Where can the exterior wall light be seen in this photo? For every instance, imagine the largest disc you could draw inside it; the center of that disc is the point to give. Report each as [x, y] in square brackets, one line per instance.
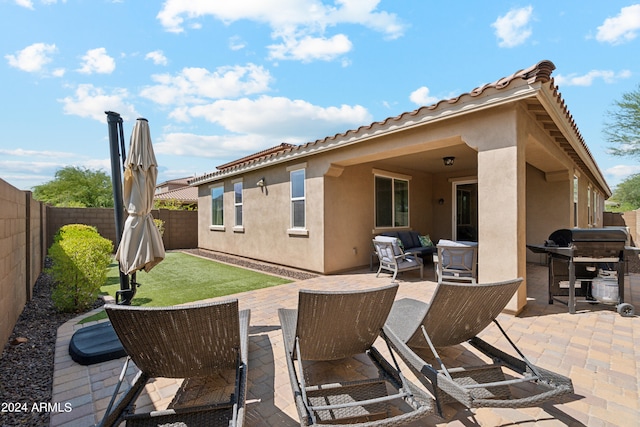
[261, 183]
[448, 161]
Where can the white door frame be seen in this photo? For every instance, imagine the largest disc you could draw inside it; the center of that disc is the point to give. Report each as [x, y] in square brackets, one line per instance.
[454, 197]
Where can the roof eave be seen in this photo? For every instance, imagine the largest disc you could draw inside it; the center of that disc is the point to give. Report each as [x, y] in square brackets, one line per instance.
[555, 106]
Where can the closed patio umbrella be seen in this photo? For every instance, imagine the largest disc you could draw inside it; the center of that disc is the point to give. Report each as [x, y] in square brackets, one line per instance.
[141, 246]
[139, 242]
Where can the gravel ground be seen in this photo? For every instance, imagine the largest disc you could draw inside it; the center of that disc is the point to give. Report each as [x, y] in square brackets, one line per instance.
[277, 270]
[26, 366]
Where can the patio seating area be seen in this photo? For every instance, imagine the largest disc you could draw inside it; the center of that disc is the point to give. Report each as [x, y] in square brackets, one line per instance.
[597, 348]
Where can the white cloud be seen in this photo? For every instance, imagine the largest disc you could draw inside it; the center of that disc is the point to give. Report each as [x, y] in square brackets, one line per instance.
[90, 101]
[616, 174]
[421, 96]
[32, 58]
[307, 48]
[587, 79]
[194, 85]
[281, 119]
[513, 28]
[236, 43]
[25, 3]
[97, 61]
[157, 56]
[210, 146]
[21, 152]
[621, 28]
[300, 24]
[29, 167]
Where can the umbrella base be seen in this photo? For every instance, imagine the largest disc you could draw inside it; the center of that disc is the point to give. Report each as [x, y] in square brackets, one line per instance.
[95, 344]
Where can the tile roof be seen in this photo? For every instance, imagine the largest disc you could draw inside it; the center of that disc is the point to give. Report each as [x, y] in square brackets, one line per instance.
[538, 73]
[184, 194]
[269, 151]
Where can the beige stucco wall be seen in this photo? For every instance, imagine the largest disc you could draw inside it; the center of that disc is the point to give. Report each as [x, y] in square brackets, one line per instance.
[503, 148]
[266, 219]
[349, 212]
[548, 208]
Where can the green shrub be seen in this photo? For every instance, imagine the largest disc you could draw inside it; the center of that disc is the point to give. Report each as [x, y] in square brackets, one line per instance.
[160, 225]
[75, 230]
[80, 258]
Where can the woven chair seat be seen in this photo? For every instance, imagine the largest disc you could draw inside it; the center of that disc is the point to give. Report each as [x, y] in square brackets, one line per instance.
[330, 330]
[457, 313]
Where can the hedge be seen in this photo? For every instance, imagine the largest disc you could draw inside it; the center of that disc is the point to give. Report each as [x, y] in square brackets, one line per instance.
[80, 258]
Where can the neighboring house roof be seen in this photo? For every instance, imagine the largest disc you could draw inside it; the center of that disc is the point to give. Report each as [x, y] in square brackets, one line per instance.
[516, 86]
[172, 184]
[184, 195]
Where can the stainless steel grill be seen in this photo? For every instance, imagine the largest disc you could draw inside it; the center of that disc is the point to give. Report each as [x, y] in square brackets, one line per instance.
[586, 256]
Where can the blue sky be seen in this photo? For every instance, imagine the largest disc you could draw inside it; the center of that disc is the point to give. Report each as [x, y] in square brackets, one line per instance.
[218, 80]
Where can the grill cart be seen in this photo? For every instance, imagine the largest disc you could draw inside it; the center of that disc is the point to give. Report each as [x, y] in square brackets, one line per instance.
[591, 257]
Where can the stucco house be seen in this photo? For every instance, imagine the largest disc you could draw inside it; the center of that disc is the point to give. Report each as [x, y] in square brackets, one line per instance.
[504, 164]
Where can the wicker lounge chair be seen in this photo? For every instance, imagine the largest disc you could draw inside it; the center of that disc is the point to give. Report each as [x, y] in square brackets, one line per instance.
[456, 314]
[334, 326]
[206, 344]
[393, 259]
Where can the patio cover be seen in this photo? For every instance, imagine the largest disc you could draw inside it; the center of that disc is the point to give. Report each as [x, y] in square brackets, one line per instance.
[141, 246]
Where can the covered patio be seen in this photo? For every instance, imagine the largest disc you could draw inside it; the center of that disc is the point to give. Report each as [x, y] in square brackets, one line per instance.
[598, 349]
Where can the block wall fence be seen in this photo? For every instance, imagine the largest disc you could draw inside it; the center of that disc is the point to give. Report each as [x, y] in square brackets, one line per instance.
[27, 228]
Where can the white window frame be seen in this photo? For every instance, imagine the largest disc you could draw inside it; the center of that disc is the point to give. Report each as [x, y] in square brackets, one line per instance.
[576, 206]
[238, 227]
[212, 226]
[293, 229]
[589, 206]
[393, 176]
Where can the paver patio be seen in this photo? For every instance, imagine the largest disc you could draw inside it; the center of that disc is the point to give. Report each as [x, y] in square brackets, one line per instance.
[597, 348]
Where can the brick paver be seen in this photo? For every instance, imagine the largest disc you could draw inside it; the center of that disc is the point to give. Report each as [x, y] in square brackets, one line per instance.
[596, 347]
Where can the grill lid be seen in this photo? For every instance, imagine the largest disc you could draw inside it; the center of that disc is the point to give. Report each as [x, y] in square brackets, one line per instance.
[565, 237]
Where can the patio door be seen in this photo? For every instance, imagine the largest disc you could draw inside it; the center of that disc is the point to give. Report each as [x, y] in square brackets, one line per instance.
[465, 210]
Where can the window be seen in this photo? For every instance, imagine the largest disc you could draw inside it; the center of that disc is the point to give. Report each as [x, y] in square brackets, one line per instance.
[237, 202]
[596, 208]
[589, 211]
[392, 202]
[575, 200]
[297, 178]
[217, 208]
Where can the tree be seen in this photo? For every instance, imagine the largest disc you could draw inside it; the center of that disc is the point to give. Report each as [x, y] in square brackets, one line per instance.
[627, 194]
[76, 187]
[623, 132]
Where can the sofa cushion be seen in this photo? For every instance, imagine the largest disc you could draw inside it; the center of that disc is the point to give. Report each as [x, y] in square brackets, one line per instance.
[411, 242]
[425, 241]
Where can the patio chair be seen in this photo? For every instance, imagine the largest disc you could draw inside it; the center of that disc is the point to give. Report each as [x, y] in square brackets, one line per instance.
[456, 314]
[393, 259]
[326, 331]
[205, 343]
[456, 261]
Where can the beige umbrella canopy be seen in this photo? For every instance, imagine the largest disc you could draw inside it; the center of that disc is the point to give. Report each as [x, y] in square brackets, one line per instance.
[141, 246]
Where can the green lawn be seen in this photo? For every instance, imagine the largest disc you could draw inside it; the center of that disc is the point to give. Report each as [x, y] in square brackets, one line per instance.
[183, 278]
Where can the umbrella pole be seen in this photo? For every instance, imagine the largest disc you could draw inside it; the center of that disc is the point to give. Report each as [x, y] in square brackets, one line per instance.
[114, 121]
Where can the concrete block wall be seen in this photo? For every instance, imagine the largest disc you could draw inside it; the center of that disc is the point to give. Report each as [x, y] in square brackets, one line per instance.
[181, 227]
[27, 228]
[21, 252]
[101, 218]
